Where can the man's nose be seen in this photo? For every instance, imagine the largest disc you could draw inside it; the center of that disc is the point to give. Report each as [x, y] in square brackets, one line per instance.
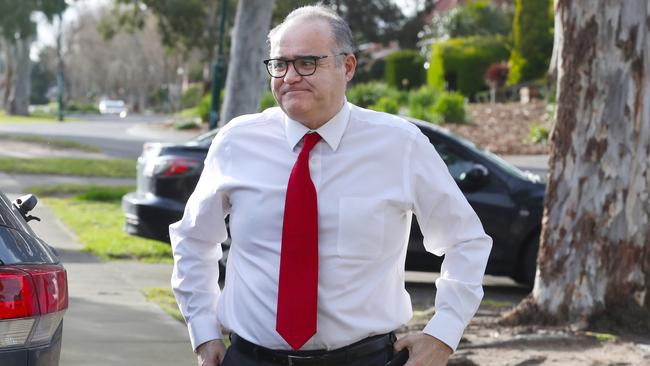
[292, 75]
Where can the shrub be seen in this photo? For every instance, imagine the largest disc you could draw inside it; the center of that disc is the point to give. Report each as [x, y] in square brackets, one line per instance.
[405, 69]
[369, 69]
[366, 94]
[203, 109]
[497, 74]
[192, 96]
[533, 41]
[267, 100]
[460, 64]
[538, 133]
[81, 108]
[424, 97]
[187, 123]
[421, 102]
[385, 104]
[451, 107]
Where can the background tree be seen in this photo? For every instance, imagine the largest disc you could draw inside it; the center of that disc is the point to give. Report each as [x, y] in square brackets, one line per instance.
[370, 20]
[130, 66]
[18, 31]
[533, 41]
[184, 26]
[594, 258]
[247, 78]
[476, 18]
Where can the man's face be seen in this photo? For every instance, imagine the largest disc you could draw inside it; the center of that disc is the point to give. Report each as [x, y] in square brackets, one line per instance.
[314, 99]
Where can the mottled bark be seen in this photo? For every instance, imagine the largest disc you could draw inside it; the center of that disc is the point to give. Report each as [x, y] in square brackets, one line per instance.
[247, 78]
[595, 248]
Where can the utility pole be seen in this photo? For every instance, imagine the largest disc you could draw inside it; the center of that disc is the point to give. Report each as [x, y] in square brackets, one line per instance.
[217, 77]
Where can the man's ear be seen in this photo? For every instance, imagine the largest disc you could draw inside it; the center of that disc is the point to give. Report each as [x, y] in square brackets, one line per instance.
[350, 65]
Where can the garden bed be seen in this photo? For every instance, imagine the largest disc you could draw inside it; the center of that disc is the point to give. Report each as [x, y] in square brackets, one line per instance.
[504, 128]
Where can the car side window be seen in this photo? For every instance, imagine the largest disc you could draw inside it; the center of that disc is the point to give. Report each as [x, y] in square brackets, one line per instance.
[456, 164]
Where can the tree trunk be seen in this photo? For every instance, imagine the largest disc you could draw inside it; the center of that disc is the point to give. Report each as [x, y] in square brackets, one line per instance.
[594, 257]
[9, 74]
[551, 77]
[247, 78]
[20, 97]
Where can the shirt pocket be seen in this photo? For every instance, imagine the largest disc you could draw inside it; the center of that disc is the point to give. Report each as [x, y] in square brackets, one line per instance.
[361, 227]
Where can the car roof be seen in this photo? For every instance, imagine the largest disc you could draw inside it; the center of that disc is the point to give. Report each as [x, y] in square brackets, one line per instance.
[205, 139]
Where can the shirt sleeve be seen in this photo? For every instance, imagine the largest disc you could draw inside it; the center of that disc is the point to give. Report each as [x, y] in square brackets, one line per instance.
[196, 244]
[450, 227]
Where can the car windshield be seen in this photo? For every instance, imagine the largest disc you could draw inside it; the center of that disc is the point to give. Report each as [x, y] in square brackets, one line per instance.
[471, 146]
[490, 156]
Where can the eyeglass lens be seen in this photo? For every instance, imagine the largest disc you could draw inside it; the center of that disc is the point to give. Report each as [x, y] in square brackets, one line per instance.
[304, 66]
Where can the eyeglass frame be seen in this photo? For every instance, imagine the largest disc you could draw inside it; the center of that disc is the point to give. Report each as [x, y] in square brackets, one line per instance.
[292, 61]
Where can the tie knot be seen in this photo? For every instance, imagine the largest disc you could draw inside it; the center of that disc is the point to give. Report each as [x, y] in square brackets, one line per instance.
[310, 140]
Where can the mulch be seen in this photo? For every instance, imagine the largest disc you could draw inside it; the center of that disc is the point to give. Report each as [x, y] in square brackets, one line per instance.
[503, 128]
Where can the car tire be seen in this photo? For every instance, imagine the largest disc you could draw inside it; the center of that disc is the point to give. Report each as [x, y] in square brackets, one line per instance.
[528, 263]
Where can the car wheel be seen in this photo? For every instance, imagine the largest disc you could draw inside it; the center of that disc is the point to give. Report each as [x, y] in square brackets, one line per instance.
[528, 263]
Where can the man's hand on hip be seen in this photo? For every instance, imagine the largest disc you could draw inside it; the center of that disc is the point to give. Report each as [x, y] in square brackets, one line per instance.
[424, 350]
[211, 353]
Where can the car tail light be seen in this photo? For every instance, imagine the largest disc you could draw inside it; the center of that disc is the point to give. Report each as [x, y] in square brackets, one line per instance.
[171, 167]
[33, 300]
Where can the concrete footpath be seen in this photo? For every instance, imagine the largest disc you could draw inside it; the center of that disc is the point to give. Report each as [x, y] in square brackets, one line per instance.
[109, 322]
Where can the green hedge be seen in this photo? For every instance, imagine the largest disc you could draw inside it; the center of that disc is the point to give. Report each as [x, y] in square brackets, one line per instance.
[405, 69]
[465, 60]
[366, 94]
[533, 40]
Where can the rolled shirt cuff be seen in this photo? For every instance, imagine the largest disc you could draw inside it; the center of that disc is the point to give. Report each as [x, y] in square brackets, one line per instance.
[202, 329]
[447, 328]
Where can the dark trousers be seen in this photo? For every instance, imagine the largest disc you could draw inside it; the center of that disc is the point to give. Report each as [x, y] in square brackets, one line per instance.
[236, 358]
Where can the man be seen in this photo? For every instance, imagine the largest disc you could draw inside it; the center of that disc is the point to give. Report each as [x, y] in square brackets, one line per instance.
[320, 195]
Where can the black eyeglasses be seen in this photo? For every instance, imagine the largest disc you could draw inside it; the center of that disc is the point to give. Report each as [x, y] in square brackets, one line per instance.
[304, 65]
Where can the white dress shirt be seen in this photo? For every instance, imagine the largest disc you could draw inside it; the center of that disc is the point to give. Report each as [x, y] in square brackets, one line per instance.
[371, 171]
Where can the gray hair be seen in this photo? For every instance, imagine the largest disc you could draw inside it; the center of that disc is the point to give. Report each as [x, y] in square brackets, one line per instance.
[340, 28]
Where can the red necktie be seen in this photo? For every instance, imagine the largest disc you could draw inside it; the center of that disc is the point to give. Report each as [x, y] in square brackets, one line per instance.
[298, 283]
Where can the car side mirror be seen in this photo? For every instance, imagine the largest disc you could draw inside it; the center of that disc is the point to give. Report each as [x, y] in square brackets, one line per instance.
[24, 204]
[474, 178]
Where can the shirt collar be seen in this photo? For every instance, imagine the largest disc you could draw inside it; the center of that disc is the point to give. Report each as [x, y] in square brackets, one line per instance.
[331, 131]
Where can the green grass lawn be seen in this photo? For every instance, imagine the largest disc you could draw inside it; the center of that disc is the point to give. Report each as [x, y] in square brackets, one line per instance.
[55, 143]
[5, 118]
[68, 166]
[96, 217]
[165, 299]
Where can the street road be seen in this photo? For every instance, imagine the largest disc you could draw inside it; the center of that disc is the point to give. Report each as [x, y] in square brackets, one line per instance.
[114, 136]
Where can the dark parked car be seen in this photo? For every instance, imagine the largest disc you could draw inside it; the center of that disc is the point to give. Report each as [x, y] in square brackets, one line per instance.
[508, 201]
[33, 290]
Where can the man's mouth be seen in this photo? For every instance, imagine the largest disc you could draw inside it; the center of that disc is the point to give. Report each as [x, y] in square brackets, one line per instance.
[294, 91]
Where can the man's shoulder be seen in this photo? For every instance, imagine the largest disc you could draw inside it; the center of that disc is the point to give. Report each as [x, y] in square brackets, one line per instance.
[252, 122]
[383, 120]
